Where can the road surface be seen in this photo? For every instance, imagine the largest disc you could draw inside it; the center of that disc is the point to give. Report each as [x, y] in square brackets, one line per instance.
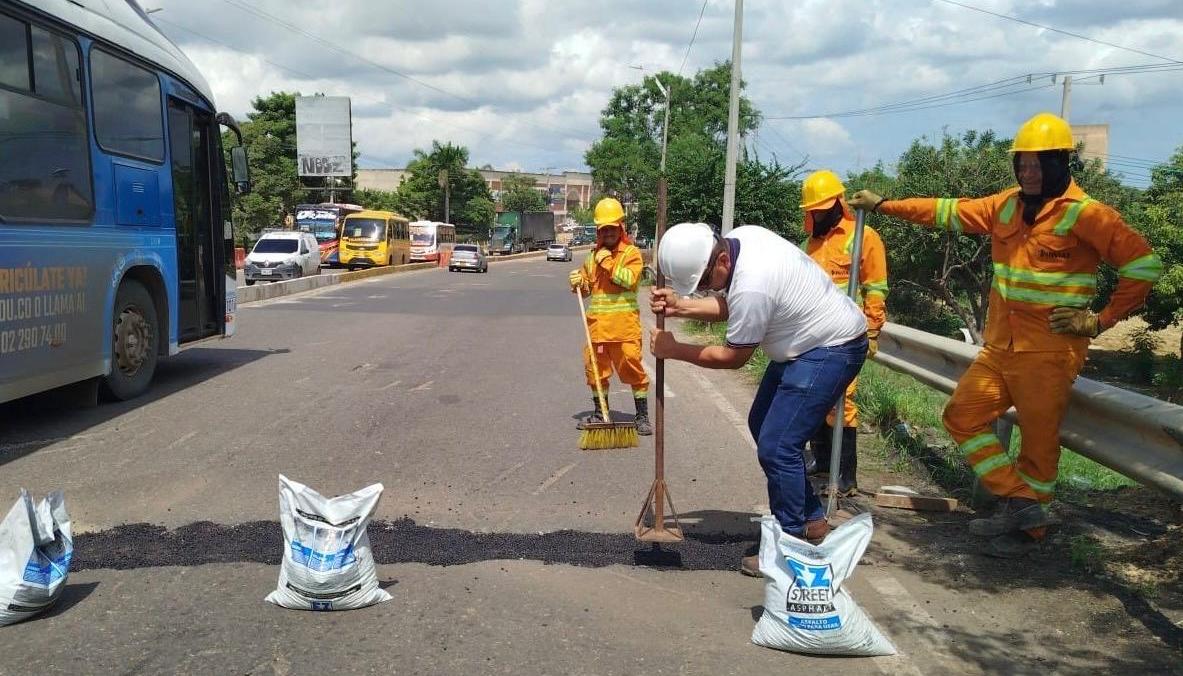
[506, 549]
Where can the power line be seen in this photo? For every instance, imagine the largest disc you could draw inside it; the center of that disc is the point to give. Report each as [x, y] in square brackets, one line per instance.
[229, 46]
[693, 35]
[1005, 87]
[1057, 30]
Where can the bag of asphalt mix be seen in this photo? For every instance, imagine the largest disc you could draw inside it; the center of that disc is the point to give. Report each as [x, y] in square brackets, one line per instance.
[327, 564]
[36, 546]
[806, 606]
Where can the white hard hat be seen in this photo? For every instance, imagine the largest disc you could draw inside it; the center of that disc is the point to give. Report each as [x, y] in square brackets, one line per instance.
[683, 254]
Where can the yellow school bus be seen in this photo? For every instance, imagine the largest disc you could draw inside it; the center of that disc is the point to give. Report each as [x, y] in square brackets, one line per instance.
[371, 238]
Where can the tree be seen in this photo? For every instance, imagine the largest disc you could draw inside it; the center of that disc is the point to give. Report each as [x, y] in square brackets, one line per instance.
[269, 134]
[520, 194]
[584, 215]
[626, 159]
[420, 195]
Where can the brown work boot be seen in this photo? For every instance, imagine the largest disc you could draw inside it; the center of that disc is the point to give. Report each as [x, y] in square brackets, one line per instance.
[816, 531]
[750, 566]
[1012, 514]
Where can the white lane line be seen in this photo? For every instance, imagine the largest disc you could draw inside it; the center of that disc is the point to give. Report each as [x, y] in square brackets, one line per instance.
[425, 386]
[738, 421]
[303, 380]
[342, 304]
[554, 477]
[934, 639]
[390, 385]
[504, 475]
[181, 440]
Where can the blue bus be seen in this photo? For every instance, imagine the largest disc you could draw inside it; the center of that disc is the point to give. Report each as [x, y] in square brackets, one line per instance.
[116, 245]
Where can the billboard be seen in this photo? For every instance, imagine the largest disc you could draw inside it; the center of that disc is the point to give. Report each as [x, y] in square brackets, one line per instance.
[324, 136]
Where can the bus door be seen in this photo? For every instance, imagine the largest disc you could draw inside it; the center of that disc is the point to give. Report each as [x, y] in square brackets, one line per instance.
[191, 143]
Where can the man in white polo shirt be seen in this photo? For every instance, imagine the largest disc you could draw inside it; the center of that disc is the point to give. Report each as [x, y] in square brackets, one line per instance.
[777, 298]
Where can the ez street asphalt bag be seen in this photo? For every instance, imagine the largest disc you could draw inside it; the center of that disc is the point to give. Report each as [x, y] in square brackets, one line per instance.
[36, 546]
[327, 564]
[806, 606]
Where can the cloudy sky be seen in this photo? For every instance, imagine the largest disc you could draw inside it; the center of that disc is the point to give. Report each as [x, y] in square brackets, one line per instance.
[522, 82]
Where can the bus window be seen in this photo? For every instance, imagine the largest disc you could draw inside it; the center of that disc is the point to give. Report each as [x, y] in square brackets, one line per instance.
[127, 118]
[44, 126]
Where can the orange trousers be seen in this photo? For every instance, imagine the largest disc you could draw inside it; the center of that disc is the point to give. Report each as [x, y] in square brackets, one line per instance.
[1037, 384]
[625, 358]
[849, 408]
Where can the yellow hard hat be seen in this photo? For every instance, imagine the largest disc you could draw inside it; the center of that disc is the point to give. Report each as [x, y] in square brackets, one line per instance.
[609, 212]
[820, 189]
[1043, 132]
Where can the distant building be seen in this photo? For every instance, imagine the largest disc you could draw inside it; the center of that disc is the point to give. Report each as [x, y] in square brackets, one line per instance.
[564, 191]
[1095, 138]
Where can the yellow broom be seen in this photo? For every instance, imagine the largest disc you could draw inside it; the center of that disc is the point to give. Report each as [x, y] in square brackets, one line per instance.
[608, 434]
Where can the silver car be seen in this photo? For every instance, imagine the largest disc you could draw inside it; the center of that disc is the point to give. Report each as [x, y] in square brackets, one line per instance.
[468, 257]
[558, 252]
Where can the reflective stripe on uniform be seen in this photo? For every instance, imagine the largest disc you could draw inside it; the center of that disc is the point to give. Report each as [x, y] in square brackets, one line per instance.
[876, 288]
[1011, 274]
[947, 214]
[1008, 211]
[1025, 295]
[977, 443]
[612, 303]
[1070, 215]
[1148, 268]
[621, 275]
[1039, 486]
[991, 463]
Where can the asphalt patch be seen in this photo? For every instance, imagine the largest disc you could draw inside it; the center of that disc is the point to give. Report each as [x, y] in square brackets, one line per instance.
[145, 545]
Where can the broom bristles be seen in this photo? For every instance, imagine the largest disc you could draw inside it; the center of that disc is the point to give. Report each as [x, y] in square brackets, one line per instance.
[609, 436]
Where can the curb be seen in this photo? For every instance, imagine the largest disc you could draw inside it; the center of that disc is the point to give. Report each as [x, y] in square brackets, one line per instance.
[258, 292]
[529, 254]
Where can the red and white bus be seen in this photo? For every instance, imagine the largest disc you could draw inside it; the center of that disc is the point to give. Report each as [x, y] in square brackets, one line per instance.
[430, 241]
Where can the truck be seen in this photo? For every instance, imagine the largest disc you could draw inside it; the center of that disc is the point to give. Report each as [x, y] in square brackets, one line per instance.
[521, 231]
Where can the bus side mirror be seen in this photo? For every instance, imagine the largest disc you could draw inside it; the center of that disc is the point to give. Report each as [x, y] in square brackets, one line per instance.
[241, 169]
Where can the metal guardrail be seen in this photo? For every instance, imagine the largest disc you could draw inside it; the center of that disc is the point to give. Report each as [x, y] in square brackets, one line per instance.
[1139, 436]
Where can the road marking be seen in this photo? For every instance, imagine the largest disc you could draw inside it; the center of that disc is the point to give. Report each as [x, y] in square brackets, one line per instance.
[342, 304]
[379, 297]
[389, 385]
[903, 604]
[303, 380]
[425, 386]
[181, 440]
[739, 422]
[554, 477]
[504, 475]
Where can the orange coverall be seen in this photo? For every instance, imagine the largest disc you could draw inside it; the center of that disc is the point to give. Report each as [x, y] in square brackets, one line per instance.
[833, 253]
[1052, 263]
[614, 318]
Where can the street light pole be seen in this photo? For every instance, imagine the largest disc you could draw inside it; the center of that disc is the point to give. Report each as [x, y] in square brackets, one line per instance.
[733, 123]
[665, 129]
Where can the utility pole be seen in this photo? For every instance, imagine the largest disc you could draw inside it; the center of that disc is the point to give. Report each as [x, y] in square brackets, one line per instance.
[733, 123]
[665, 129]
[1066, 102]
[446, 185]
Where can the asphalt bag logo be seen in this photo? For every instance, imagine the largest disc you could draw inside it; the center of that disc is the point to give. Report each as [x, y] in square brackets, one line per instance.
[810, 599]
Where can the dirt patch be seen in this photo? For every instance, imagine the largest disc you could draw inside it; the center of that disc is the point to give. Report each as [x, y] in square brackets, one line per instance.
[1120, 337]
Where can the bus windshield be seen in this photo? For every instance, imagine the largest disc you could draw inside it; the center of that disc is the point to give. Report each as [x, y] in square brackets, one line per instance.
[365, 228]
[322, 223]
[422, 236]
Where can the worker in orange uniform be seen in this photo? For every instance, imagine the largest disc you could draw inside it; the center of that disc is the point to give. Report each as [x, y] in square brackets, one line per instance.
[829, 222]
[1048, 237]
[608, 278]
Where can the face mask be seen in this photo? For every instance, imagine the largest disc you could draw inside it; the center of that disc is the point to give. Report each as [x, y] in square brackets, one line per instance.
[824, 223]
[1054, 165]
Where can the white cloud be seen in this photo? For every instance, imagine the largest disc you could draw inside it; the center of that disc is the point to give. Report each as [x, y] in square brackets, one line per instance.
[524, 80]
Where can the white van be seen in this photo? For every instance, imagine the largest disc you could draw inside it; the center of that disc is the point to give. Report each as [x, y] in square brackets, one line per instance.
[285, 254]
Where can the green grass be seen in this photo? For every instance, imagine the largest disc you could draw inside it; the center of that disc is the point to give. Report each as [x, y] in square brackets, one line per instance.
[887, 398]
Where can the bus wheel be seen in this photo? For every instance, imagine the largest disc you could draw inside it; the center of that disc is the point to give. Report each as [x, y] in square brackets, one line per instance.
[133, 343]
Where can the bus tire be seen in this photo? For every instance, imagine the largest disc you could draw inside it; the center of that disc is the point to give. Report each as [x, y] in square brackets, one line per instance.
[134, 343]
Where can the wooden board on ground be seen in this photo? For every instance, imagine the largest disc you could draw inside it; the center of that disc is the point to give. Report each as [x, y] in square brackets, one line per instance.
[921, 503]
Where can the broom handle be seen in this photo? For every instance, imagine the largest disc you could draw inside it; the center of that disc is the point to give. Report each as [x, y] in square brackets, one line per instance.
[591, 355]
[852, 287]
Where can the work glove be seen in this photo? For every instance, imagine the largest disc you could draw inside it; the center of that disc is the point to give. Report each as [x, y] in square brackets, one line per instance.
[602, 255]
[872, 343]
[1074, 321]
[576, 279]
[864, 200]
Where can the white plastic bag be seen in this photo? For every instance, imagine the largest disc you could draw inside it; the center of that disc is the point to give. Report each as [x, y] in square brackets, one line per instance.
[327, 563]
[806, 607]
[36, 546]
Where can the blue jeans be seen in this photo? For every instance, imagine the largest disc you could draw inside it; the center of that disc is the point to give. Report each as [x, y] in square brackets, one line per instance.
[791, 404]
